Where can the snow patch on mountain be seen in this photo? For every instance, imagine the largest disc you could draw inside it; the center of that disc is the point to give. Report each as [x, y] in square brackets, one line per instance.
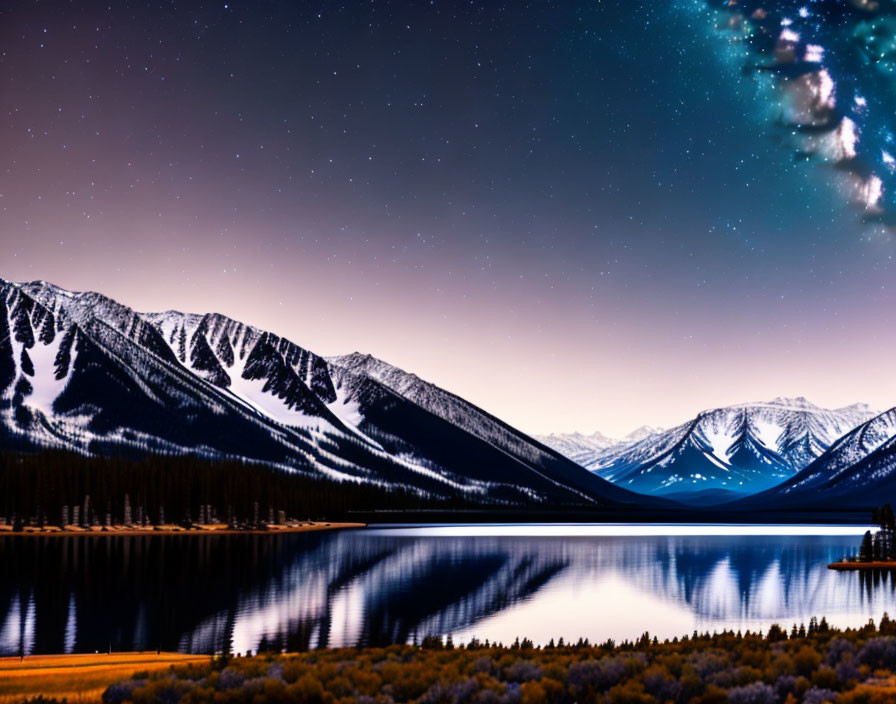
[47, 384]
[578, 447]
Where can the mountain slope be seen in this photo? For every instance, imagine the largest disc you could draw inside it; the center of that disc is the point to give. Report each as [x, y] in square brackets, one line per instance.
[82, 372]
[362, 379]
[745, 448]
[858, 470]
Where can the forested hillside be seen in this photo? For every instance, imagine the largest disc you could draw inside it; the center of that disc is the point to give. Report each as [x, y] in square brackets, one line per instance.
[64, 488]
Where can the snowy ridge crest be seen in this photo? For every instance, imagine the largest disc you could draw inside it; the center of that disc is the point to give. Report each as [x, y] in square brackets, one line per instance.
[858, 469]
[738, 450]
[82, 372]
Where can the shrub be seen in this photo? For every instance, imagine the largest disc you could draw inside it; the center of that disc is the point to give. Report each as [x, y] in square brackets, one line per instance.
[595, 675]
[825, 677]
[230, 679]
[754, 693]
[523, 671]
[818, 695]
[116, 693]
[806, 660]
[878, 653]
[838, 648]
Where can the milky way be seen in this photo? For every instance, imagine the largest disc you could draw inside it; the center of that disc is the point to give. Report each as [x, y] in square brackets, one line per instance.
[833, 66]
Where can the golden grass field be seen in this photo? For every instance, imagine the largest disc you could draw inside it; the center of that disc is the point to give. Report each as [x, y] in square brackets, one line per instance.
[78, 678]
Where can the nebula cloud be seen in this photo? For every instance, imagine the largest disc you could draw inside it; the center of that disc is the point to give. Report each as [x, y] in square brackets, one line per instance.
[833, 65]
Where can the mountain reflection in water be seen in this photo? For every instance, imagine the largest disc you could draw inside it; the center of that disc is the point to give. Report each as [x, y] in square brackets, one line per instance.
[206, 593]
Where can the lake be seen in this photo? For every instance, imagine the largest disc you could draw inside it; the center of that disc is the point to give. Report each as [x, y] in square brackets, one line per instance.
[396, 584]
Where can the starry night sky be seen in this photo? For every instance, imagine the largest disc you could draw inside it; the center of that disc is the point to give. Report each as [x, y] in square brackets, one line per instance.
[579, 215]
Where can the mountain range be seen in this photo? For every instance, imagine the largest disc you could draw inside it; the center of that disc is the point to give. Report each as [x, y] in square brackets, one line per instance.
[857, 470]
[81, 372]
[726, 453]
[586, 449]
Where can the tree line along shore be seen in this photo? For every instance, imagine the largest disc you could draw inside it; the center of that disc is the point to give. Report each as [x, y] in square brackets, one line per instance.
[54, 491]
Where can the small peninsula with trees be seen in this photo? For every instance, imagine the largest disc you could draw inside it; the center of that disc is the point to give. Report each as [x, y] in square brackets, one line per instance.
[877, 550]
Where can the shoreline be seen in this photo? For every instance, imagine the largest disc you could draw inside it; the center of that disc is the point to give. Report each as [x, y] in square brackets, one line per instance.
[168, 530]
[682, 515]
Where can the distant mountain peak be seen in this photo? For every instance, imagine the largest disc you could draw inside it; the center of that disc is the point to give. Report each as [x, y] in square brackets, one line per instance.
[793, 402]
[742, 448]
[642, 432]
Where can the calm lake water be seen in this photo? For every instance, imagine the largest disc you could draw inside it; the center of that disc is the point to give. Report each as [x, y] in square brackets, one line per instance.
[384, 585]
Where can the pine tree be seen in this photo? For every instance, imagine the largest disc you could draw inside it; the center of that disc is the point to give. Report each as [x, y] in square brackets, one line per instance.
[887, 518]
[182, 344]
[866, 551]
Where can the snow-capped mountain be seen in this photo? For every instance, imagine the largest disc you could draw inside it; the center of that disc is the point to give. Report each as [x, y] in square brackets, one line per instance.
[79, 371]
[587, 449]
[580, 448]
[743, 449]
[859, 469]
[643, 432]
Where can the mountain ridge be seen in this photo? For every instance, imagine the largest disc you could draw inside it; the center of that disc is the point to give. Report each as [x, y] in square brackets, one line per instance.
[743, 448]
[859, 465]
[82, 372]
